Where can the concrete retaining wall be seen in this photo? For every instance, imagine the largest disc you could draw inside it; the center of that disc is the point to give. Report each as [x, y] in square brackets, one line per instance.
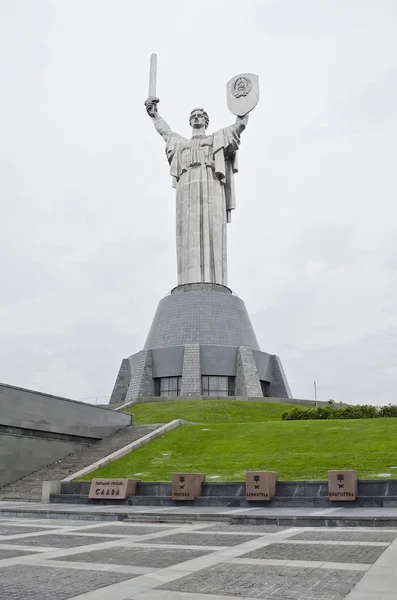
[371, 493]
[20, 455]
[38, 429]
[43, 412]
[286, 489]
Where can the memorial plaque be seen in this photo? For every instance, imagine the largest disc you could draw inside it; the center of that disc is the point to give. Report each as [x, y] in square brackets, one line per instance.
[260, 485]
[187, 486]
[112, 489]
[342, 485]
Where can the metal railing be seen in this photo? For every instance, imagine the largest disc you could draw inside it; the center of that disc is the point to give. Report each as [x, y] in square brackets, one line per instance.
[95, 400]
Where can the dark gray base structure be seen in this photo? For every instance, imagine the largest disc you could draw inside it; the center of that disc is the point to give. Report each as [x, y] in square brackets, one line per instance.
[292, 494]
[201, 343]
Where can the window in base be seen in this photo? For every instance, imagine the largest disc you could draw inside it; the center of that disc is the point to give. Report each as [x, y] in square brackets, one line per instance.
[265, 385]
[217, 385]
[167, 386]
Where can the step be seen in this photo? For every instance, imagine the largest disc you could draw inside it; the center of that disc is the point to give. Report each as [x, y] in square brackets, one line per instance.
[29, 488]
[277, 501]
[303, 518]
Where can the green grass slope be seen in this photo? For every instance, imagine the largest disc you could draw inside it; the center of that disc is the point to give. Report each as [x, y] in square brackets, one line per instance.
[208, 411]
[296, 449]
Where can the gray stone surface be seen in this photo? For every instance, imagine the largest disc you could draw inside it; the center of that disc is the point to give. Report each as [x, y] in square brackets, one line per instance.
[218, 360]
[136, 556]
[43, 412]
[60, 540]
[202, 539]
[212, 331]
[279, 385]
[264, 365]
[347, 536]
[191, 373]
[26, 582]
[249, 529]
[302, 516]
[141, 383]
[122, 382]
[247, 378]
[201, 316]
[327, 553]
[125, 529]
[22, 455]
[269, 583]
[6, 529]
[7, 553]
[131, 568]
[168, 362]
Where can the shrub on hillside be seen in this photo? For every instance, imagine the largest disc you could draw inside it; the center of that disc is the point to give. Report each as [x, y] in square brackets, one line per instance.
[388, 411]
[358, 412]
[332, 411]
[297, 414]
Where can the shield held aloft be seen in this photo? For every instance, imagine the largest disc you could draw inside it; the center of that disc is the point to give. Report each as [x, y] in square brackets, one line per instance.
[242, 93]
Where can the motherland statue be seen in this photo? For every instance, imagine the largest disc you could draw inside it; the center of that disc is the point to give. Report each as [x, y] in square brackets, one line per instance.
[202, 171]
[201, 342]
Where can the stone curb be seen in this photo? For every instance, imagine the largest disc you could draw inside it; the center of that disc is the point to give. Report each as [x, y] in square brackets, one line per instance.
[123, 406]
[300, 401]
[389, 522]
[107, 460]
[276, 520]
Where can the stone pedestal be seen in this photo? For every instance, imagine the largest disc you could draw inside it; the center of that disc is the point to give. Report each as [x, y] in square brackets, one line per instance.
[187, 486]
[260, 485]
[201, 329]
[342, 485]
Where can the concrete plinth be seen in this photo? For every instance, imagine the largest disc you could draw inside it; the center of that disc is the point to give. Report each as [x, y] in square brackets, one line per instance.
[201, 329]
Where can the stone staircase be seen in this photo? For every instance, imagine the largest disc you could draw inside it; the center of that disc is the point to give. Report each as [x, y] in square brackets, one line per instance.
[28, 488]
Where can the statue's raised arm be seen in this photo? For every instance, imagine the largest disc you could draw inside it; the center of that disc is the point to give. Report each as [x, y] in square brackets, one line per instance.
[241, 123]
[161, 126]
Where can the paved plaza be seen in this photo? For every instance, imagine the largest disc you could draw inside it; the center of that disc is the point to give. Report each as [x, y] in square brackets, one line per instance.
[47, 559]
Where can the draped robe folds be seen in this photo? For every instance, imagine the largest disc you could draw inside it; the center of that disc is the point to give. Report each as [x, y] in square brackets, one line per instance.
[202, 170]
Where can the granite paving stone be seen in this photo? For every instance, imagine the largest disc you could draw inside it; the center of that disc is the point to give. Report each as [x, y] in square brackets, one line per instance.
[332, 553]
[268, 582]
[136, 556]
[72, 571]
[59, 541]
[249, 529]
[346, 536]
[27, 582]
[7, 553]
[203, 539]
[57, 522]
[125, 529]
[15, 530]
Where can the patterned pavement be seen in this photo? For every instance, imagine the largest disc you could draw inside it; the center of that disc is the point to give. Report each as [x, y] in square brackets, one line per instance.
[43, 559]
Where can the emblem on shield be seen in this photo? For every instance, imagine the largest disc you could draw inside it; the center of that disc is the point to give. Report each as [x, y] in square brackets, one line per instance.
[242, 93]
[241, 87]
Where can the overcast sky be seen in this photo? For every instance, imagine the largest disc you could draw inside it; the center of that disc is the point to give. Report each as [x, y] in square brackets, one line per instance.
[87, 243]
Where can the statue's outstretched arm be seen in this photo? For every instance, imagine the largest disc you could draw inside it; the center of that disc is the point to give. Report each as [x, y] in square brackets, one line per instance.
[161, 126]
[241, 123]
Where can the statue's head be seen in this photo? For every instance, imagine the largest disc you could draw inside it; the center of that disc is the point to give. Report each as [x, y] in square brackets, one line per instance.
[199, 118]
